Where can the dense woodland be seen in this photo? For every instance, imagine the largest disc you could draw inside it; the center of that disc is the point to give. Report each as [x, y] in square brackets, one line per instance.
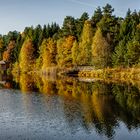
[104, 40]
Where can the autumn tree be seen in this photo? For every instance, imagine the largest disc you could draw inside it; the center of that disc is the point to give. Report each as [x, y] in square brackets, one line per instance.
[7, 55]
[85, 55]
[100, 50]
[75, 53]
[8, 44]
[64, 51]
[2, 48]
[27, 56]
[48, 53]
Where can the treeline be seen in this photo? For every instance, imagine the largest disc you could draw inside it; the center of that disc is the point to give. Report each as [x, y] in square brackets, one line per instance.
[104, 40]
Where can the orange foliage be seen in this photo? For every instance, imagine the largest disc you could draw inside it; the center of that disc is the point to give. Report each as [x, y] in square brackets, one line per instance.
[7, 53]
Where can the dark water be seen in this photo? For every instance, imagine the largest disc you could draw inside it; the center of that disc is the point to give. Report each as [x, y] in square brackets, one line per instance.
[33, 108]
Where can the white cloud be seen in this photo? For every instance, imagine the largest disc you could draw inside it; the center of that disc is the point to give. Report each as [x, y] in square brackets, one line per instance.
[83, 3]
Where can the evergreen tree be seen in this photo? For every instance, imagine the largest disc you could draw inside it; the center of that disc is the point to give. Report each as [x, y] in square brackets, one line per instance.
[132, 56]
[69, 27]
[80, 24]
[108, 10]
[118, 58]
[97, 16]
[109, 26]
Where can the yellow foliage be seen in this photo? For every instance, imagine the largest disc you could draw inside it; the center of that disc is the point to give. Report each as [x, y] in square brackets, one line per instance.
[48, 53]
[100, 50]
[27, 56]
[85, 56]
[1, 43]
[64, 51]
[26, 82]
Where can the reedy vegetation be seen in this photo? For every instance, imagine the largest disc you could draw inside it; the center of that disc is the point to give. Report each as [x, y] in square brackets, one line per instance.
[102, 41]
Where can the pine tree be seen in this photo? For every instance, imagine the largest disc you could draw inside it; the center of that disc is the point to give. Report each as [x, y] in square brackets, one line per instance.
[118, 58]
[109, 26]
[132, 56]
[97, 16]
[80, 24]
[69, 27]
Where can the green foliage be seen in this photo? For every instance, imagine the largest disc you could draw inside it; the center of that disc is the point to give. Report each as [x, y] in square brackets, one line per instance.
[69, 27]
[17, 48]
[80, 24]
[107, 10]
[132, 57]
[96, 17]
[118, 56]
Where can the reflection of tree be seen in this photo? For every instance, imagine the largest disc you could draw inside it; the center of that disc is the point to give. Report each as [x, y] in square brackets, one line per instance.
[128, 97]
[89, 105]
[70, 90]
[6, 81]
[96, 109]
[104, 109]
[65, 87]
[99, 107]
[46, 85]
[27, 82]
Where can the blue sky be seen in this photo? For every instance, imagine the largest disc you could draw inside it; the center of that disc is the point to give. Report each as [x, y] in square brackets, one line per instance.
[17, 14]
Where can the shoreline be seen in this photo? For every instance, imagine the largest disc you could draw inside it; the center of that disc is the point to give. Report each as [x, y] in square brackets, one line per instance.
[118, 74]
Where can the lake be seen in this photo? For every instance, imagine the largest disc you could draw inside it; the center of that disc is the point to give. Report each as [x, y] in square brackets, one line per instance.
[35, 108]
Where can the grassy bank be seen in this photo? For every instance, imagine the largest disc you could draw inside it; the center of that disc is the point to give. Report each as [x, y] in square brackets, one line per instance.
[123, 74]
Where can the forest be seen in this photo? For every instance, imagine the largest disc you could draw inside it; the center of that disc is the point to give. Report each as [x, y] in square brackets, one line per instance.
[103, 40]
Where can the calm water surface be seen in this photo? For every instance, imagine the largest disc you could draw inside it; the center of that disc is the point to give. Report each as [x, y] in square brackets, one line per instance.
[35, 108]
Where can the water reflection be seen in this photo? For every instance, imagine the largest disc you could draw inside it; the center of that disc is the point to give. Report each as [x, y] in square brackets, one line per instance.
[91, 108]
